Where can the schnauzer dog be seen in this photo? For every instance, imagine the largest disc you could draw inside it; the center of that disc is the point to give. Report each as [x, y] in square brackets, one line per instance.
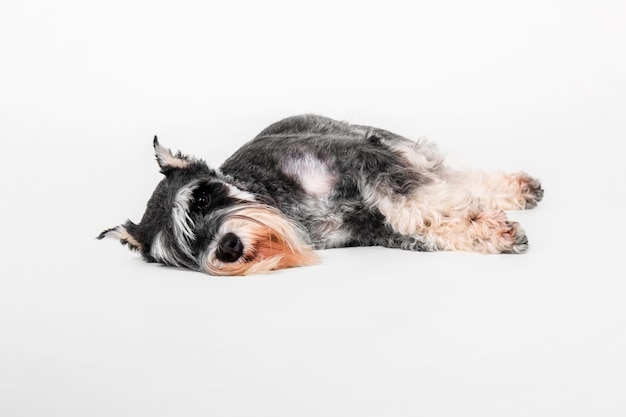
[309, 182]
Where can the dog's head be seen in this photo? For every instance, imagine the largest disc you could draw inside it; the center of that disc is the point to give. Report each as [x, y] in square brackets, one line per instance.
[200, 219]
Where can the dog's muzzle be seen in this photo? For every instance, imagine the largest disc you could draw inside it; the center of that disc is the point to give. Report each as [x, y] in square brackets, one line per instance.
[230, 248]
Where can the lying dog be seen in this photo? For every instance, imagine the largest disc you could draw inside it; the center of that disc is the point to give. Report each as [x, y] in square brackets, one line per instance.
[309, 182]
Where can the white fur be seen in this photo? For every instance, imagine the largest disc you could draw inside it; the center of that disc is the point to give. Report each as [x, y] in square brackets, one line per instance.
[423, 155]
[313, 175]
[235, 192]
[121, 233]
[166, 158]
[160, 253]
[183, 224]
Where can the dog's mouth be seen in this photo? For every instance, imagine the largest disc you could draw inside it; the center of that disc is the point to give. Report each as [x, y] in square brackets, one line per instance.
[256, 238]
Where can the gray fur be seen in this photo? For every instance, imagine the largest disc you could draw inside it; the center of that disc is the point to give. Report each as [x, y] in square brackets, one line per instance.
[312, 169]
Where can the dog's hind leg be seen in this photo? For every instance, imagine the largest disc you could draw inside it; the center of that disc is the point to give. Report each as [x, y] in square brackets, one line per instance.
[445, 217]
[494, 190]
[447, 209]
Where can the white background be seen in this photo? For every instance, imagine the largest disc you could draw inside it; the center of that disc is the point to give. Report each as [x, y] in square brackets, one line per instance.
[88, 329]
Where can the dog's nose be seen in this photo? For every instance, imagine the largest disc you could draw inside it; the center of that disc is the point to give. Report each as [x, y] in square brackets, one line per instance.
[230, 248]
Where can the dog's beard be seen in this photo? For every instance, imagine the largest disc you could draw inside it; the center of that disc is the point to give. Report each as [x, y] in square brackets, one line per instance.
[270, 241]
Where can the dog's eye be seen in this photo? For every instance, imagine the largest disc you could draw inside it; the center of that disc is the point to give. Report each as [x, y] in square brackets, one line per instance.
[208, 196]
[201, 201]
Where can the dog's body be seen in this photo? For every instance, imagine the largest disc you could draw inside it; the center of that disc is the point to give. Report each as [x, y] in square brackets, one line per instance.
[310, 182]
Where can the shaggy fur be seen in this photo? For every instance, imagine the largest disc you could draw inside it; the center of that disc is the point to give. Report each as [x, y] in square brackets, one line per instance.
[309, 182]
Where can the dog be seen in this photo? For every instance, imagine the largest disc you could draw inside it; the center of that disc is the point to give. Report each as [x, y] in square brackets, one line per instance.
[309, 182]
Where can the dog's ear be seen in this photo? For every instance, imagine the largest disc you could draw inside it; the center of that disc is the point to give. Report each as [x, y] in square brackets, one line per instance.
[123, 233]
[167, 160]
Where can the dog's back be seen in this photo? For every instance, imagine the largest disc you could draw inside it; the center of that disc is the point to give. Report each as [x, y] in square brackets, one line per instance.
[318, 172]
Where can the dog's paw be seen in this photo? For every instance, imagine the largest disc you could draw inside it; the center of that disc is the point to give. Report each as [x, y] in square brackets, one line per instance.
[515, 239]
[530, 190]
[495, 233]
